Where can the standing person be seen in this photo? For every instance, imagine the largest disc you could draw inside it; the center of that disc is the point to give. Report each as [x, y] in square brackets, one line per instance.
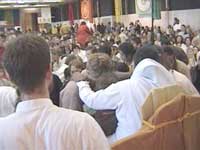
[127, 97]
[37, 124]
[83, 34]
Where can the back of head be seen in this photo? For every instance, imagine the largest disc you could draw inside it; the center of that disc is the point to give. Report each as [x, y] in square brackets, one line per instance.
[105, 48]
[27, 59]
[180, 55]
[127, 49]
[98, 63]
[147, 51]
[83, 23]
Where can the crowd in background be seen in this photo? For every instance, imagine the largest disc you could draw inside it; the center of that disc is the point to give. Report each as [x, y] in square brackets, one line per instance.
[104, 54]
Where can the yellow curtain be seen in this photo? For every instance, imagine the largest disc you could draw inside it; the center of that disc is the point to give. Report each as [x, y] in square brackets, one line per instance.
[118, 10]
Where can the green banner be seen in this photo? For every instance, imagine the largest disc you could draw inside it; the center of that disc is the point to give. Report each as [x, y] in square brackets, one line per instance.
[144, 8]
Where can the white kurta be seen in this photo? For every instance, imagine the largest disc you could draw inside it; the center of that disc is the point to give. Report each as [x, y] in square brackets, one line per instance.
[127, 97]
[40, 125]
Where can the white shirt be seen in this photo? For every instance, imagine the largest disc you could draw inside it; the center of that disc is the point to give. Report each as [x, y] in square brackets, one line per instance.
[8, 100]
[127, 97]
[177, 27]
[60, 72]
[40, 125]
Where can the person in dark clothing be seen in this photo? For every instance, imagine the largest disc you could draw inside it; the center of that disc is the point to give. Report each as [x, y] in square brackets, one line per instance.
[55, 89]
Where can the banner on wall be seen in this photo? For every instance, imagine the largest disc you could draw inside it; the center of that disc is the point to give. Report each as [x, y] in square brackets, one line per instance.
[144, 8]
[86, 10]
[118, 10]
[45, 16]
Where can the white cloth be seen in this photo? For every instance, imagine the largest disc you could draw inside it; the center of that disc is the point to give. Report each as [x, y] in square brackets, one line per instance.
[177, 27]
[60, 72]
[123, 37]
[127, 97]
[8, 100]
[184, 82]
[40, 125]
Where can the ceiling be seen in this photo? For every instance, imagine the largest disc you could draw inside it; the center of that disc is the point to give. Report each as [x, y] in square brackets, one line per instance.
[11, 4]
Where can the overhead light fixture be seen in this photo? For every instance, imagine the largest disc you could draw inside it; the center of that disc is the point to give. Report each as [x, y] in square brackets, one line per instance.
[4, 6]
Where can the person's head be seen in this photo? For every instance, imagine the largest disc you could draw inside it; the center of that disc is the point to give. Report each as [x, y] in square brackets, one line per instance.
[179, 39]
[105, 48]
[121, 67]
[168, 58]
[127, 52]
[188, 41]
[76, 66]
[176, 20]
[137, 43]
[147, 51]
[98, 64]
[183, 28]
[27, 63]
[70, 58]
[83, 23]
[165, 40]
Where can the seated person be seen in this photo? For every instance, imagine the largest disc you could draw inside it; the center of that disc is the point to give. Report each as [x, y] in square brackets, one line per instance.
[127, 97]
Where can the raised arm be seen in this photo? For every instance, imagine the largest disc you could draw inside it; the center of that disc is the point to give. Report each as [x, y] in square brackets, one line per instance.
[100, 100]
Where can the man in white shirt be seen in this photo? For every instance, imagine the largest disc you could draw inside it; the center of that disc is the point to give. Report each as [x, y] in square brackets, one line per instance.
[37, 124]
[127, 97]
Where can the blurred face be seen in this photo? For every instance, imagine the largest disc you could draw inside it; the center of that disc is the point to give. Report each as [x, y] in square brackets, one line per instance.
[74, 69]
[179, 39]
[182, 28]
[188, 42]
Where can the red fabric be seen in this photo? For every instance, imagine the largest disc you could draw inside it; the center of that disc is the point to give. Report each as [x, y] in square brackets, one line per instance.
[83, 35]
[71, 13]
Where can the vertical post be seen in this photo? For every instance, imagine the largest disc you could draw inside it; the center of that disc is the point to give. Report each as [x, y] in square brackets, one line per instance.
[152, 23]
[167, 9]
[126, 7]
[61, 13]
[98, 10]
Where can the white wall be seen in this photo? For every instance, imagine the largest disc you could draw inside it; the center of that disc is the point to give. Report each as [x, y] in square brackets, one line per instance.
[189, 17]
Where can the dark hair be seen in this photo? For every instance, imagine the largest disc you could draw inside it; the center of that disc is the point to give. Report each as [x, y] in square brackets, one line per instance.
[137, 40]
[127, 49]
[147, 51]
[182, 40]
[121, 67]
[165, 40]
[26, 59]
[105, 48]
[169, 50]
[83, 23]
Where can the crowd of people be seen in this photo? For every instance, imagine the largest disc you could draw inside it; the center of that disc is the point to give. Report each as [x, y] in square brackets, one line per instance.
[105, 71]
